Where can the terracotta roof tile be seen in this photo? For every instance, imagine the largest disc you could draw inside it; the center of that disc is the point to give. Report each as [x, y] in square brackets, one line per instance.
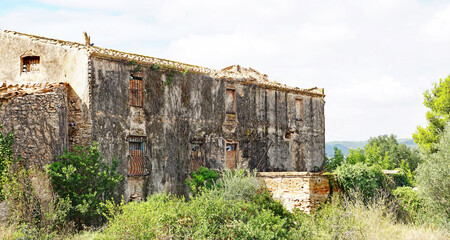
[8, 91]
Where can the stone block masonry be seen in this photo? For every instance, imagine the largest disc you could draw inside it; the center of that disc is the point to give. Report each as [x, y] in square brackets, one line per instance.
[160, 119]
[39, 121]
[303, 190]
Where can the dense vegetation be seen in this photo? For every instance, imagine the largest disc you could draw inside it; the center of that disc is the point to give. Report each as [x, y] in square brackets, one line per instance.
[82, 177]
[72, 192]
[433, 180]
[76, 193]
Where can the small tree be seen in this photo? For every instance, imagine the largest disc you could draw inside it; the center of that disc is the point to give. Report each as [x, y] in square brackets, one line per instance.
[87, 181]
[335, 161]
[433, 179]
[394, 153]
[438, 101]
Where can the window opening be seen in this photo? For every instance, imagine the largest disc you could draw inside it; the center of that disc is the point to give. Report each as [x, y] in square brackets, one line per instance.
[137, 161]
[299, 109]
[30, 64]
[136, 91]
[196, 157]
[230, 101]
[230, 155]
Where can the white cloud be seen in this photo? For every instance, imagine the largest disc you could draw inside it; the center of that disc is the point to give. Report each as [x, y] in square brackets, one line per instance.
[374, 58]
[437, 30]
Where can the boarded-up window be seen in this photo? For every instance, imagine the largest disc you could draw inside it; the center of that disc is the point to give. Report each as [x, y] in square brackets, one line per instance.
[299, 109]
[230, 101]
[30, 64]
[136, 91]
[230, 155]
[196, 157]
[137, 166]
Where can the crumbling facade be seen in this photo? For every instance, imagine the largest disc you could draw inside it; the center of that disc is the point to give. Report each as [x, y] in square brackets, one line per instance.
[161, 119]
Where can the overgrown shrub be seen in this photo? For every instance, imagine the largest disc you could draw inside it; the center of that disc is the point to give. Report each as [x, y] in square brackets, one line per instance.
[401, 178]
[6, 155]
[82, 177]
[433, 180]
[201, 179]
[32, 203]
[409, 201]
[239, 184]
[238, 209]
[31, 200]
[359, 177]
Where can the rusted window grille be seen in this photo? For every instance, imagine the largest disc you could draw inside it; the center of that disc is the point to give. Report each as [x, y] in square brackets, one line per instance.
[30, 64]
[136, 91]
[138, 161]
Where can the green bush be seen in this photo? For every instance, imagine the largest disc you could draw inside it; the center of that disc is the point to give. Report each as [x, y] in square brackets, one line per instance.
[401, 178]
[238, 209]
[433, 180]
[202, 178]
[82, 177]
[409, 201]
[359, 177]
[239, 184]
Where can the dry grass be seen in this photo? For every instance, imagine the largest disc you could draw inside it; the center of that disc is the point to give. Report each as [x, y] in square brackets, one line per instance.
[6, 232]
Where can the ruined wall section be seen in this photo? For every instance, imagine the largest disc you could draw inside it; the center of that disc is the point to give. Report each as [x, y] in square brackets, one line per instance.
[305, 191]
[187, 122]
[110, 109]
[40, 125]
[190, 112]
[58, 63]
[308, 140]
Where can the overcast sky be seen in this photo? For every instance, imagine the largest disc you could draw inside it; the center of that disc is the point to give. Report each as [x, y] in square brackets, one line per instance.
[374, 58]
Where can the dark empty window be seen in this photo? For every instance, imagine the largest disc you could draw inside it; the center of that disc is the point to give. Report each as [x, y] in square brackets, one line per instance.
[137, 165]
[299, 109]
[230, 101]
[136, 91]
[30, 64]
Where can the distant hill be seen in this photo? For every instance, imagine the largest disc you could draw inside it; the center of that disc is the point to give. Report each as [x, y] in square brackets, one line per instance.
[346, 145]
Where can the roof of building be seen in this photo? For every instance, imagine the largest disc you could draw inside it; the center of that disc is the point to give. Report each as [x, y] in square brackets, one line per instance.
[8, 91]
[234, 72]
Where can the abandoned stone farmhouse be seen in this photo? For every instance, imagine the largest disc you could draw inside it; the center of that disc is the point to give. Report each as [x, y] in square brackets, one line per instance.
[161, 119]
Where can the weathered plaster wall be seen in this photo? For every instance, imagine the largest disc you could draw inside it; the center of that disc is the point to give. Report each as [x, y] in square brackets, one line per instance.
[40, 125]
[303, 190]
[110, 111]
[188, 111]
[57, 63]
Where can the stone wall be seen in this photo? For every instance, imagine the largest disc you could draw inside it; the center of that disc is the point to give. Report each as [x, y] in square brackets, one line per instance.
[190, 119]
[303, 190]
[58, 62]
[40, 122]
